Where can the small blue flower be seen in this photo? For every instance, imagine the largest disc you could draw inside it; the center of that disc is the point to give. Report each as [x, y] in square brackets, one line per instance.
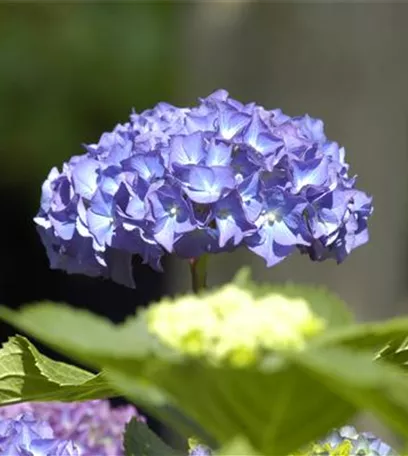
[231, 219]
[187, 150]
[205, 184]
[361, 444]
[281, 226]
[172, 215]
[200, 450]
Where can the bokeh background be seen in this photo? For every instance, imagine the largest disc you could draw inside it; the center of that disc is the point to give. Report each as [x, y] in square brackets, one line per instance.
[70, 71]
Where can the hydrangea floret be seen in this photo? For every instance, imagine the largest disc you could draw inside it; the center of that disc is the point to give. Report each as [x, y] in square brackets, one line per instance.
[198, 449]
[232, 325]
[346, 441]
[26, 435]
[95, 427]
[202, 179]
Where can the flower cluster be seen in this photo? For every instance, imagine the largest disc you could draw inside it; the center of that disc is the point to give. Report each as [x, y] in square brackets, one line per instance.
[196, 448]
[346, 441]
[204, 179]
[95, 427]
[231, 325]
[200, 450]
[26, 436]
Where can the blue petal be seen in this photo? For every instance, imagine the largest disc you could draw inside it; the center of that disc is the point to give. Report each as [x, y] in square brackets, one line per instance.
[187, 150]
[200, 122]
[64, 227]
[313, 172]
[231, 121]
[148, 166]
[218, 154]
[207, 185]
[109, 186]
[165, 233]
[136, 208]
[101, 204]
[119, 152]
[258, 136]
[231, 219]
[265, 246]
[283, 235]
[47, 189]
[311, 128]
[249, 190]
[85, 177]
[100, 226]
[228, 230]
[217, 95]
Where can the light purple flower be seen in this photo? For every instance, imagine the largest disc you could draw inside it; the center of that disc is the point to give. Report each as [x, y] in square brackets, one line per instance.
[26, 435]
[95, 427]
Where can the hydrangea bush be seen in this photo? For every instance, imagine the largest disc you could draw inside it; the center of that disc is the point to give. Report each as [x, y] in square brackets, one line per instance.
[249, 368]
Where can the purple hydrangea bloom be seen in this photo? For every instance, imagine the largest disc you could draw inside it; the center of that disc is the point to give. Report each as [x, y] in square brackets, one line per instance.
[205, 179]
[95, 427]
[25, 435]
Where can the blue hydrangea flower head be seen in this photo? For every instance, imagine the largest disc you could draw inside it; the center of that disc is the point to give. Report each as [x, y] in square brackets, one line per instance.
[26, 436]
[95, 427]
[203, 179]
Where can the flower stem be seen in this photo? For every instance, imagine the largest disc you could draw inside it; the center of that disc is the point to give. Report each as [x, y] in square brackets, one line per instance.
[198, 268]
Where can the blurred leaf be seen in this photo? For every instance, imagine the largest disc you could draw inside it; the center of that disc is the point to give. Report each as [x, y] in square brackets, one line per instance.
[321, 301]
[376, 387]
[141, 441]
[91, 339]
[279, 405]
[27, 375]
[373, 336]
[237, 447]
[266, 405]
[395, 352]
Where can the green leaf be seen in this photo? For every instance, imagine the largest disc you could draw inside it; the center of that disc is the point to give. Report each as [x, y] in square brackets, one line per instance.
[141, 441]
[376, 387]
[85, 335]
[27, 375]
[395, 352]
[92, 340]
[265, 406]
[374, 336]
[322, 302]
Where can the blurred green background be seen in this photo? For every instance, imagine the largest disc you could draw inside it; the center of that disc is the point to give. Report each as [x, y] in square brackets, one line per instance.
[70, 71]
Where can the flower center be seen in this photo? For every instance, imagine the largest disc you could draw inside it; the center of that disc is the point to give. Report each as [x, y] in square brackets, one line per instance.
[270, 217]
[223, 213]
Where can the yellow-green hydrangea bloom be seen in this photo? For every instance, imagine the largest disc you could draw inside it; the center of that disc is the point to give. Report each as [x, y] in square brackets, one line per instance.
[230, 324]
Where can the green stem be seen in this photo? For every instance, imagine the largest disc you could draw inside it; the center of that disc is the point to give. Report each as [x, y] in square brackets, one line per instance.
[198, 268]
